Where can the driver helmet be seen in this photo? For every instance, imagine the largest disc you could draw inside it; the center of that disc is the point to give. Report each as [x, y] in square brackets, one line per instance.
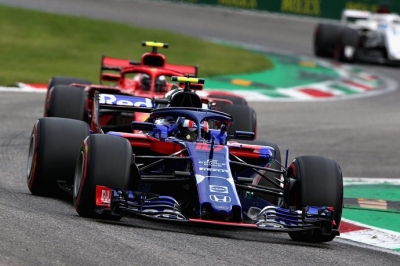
[383, 8]
[187, 129]
[145, 82]
[161, 83]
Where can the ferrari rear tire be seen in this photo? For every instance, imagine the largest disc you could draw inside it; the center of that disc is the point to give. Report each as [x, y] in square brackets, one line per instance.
[68, 102]
[107, 161]
[54, 145]
[61, 81]
[325, 36]
[318, 182]
[244, 117]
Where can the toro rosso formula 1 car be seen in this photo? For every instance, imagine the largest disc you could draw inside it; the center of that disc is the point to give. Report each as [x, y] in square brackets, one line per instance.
[362, 36]
[180, 165]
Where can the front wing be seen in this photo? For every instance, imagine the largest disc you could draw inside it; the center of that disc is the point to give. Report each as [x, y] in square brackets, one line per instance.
[272, 218]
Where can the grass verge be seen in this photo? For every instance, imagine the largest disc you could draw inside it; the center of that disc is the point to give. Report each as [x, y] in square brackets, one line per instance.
[37, 45]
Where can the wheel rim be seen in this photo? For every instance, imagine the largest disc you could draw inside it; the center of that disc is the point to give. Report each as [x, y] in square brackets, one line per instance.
[78, 173]
[31, 155]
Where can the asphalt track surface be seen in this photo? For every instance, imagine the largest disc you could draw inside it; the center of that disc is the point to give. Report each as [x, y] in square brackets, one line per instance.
[361, 134]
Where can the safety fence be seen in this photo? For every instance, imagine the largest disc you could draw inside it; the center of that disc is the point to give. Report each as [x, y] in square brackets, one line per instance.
[328, 9]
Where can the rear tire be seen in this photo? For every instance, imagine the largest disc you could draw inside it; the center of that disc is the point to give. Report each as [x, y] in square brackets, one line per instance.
[348, 40]
[319, 182]
[54, 81]
[325, 36]
[244, 117]
[54, 145]
[107, 161]
[68, 102]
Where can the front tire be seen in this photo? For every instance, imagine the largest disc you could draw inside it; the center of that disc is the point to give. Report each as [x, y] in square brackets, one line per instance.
[107, 161]
[318, 182]
[325, 36]
[54, 144]
[347, 45]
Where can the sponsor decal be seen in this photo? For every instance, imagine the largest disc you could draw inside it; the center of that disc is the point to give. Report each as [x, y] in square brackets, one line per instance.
[252, 4]
[220, 198]
[304, 7]
[123, 100]
[207, 147]
[213, 170]
[211, 162]
[362, 5]
[103, 196]
[218, 189]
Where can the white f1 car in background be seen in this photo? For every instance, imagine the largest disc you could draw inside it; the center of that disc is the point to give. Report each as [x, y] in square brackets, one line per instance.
[361, 36]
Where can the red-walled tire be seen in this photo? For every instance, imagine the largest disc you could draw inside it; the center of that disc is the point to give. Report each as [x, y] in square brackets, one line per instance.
[348, 38]
[319, 182]
[54, 146]
[103, 160]
[325, 36]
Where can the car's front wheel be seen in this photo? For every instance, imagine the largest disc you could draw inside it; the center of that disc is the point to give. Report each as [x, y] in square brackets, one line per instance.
[318, 182]
[103, 160]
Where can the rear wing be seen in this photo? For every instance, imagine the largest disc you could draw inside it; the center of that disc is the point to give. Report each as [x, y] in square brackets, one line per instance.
[191, 71]
[126, 102]
[118, 102]
[117, 64]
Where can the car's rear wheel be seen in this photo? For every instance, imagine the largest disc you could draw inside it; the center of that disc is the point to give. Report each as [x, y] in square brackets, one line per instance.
[103, 160]
[54, 145]
[318, 182]
[325, 36]
[54, 81]
[68, 102]
[244, 117]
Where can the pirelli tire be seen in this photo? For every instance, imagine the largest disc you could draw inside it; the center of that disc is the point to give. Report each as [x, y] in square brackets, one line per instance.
[347, 45]
[275, 164]
[244, 117]
[318, 182]
[67, 102]
[325, 37]
[54, 146]
[58, 80]
[107, 161]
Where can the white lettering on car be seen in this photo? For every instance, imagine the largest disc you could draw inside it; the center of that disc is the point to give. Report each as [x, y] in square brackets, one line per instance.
[123, 100]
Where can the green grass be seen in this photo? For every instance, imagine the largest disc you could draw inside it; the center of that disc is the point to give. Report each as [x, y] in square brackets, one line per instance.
[35, 46]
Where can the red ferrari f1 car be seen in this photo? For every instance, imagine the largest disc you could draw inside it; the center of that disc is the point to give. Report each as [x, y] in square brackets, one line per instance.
[183, 166]
[70, 97]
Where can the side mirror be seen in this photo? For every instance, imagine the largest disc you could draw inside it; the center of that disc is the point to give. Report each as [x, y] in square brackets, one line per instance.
[244, 135]
[110, 77]
[142, 126]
